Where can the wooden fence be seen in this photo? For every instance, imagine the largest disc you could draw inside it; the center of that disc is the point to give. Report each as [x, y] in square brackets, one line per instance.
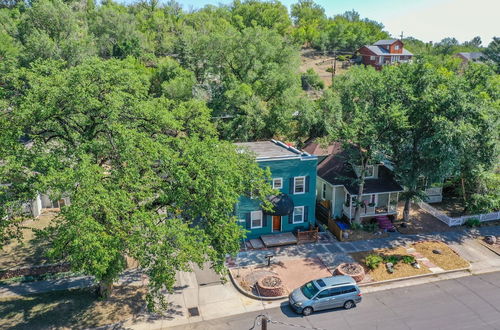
[324, 215]
[457, 221]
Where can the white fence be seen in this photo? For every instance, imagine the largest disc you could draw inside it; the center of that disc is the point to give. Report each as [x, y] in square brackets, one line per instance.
[450, 221]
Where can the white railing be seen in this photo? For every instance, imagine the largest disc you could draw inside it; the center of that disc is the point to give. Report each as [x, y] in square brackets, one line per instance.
[457, 221]
[370, 210]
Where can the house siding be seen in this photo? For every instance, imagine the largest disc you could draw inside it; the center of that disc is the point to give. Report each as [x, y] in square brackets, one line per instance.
[286, 169]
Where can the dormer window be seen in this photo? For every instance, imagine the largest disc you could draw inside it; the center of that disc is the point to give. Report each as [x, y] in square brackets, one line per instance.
[370, 171]
[396, 47]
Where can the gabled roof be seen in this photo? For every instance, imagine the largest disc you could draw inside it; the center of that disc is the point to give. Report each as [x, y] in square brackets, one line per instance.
[336, 170]
[474, 56]
[385, 42]
[377, 50]
[316, 149]
[272, 150]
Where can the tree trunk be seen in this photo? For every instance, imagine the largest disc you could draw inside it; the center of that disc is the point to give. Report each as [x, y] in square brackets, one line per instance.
[104, 289]
[406, 210]
[361, 186]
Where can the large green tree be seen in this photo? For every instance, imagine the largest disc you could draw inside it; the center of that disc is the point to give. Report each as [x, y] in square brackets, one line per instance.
[146, 176]
[441, 118]
[363, 123]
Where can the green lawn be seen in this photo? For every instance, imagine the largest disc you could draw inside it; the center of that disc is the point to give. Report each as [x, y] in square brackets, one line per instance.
[76, 309]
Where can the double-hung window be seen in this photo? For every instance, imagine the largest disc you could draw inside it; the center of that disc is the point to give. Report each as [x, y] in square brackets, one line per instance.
[298, 214]
[299, 185]
[256, 219]
[372, 58]
[370, 172]
[278, 183]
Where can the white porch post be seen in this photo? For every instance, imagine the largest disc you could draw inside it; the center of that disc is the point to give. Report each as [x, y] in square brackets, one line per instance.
[389, 203]
[333, 202]
[350, 208]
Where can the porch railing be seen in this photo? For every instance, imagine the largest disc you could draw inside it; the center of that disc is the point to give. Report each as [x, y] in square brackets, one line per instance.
[372, 210]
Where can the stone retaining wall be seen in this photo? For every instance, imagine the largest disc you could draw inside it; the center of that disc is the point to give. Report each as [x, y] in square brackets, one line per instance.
[35, 270]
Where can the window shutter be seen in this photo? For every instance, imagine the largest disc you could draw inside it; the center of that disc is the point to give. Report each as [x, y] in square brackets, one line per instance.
[264, 221]
[249, 221]
[291, 186]
[290, 218]
[307, 184]
[306, 211]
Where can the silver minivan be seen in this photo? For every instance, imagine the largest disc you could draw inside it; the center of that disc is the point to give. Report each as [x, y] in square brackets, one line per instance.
[325, 293]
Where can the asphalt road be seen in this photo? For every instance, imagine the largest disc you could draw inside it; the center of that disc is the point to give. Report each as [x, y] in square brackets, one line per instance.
[471, 302]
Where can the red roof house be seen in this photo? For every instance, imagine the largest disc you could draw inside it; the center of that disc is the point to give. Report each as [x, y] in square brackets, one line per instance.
[384, 52]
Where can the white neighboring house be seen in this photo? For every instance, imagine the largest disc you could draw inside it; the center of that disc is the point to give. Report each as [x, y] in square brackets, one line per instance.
[336, 184]
[43, 201]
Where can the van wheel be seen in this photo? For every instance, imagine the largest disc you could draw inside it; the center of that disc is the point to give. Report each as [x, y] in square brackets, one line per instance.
[307, 311]
[349, 304]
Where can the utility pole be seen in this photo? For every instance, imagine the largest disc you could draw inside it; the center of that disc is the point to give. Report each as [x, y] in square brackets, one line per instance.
[401, 36]
[264, 322]
[334, 64]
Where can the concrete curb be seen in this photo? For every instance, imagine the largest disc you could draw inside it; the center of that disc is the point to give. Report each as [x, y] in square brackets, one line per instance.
[415, 277]
[250, 295]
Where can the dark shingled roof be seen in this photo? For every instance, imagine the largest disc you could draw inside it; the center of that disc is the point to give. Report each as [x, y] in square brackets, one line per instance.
[336, 170]
[385, 42]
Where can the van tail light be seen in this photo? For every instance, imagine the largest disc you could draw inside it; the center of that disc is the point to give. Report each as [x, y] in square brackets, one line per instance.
[359, 294]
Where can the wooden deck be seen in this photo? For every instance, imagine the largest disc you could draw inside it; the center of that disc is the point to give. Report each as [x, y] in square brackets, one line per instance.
[279, 239]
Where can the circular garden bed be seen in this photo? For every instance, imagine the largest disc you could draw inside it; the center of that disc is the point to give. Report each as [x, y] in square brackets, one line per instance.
[353, 270]
[271, 286]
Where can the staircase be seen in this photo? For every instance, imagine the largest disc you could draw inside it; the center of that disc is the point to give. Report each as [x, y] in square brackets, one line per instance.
[385, 223]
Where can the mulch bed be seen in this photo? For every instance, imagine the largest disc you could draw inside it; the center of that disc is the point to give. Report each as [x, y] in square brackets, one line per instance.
[448, 259]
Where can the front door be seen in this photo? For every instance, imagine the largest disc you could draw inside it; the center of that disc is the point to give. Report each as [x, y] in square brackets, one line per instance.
[276, 223]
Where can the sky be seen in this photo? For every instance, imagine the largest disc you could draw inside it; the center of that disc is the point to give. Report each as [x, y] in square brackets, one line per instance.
[427, 20]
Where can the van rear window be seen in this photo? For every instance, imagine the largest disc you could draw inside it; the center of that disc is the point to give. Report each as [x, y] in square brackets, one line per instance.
[321, 283]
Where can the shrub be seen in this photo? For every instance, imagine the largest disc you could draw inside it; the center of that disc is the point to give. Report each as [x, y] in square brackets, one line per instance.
[473, 222]
[408, 259]
[311, 80]
[356, 226]
[373, 260]
[392, 259]
[370, 227]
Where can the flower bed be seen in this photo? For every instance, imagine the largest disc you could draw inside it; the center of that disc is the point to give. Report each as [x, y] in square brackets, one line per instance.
[387, 264]
[380, 273]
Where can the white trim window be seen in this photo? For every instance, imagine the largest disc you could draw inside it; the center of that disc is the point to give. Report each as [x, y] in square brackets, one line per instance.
[255, 219]
[278, 183]
[299, 185]
[369, 172]
[396, 47]
[298, 214]
[323, 191]
[372, 58]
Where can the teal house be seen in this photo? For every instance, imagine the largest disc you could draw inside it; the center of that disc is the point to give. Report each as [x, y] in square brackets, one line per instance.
[293, 173]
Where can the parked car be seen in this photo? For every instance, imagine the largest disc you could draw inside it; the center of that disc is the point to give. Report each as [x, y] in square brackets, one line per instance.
[325, 293]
